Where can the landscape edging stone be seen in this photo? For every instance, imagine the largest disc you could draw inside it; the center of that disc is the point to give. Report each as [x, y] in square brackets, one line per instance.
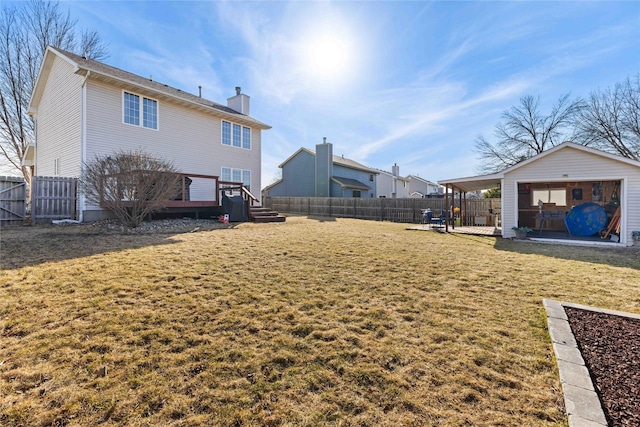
[582, 403]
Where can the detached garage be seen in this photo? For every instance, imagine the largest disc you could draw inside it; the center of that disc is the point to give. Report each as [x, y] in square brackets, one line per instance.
[569, 190]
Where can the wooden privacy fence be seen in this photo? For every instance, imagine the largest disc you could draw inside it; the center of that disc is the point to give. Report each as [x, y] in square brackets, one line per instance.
[53, 198]
[482, 211]
[13, 200]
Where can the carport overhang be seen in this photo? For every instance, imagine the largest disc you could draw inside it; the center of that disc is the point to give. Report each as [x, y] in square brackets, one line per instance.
[466, 185]
[474, 183]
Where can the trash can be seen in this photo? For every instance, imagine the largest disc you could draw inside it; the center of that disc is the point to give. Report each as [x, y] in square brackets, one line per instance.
[235, 207]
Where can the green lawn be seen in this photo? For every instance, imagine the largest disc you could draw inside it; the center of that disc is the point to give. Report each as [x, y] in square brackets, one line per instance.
[306, 323]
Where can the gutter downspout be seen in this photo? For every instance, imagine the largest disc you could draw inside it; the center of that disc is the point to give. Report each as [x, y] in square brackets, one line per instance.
[83, 141]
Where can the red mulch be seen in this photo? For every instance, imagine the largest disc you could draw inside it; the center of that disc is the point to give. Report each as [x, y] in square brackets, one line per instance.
[610, 346]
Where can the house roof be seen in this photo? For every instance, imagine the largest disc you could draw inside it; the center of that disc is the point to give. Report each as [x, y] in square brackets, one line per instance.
[273, 184]
[426, 181]
[350, 183]
[100, 71]
[398, 177]
[483, 182]
[340, 160]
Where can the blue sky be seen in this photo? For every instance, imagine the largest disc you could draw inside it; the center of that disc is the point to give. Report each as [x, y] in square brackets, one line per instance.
[411, 83]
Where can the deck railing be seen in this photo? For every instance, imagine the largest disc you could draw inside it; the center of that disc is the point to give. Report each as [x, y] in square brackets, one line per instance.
[237, 188]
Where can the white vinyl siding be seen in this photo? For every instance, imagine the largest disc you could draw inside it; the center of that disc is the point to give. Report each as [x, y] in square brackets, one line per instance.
[236, 135]
[58, 124]
[190, 139]
[135, 114]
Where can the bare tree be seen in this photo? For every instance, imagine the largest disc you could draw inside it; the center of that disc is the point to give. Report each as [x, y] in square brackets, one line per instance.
[526, 132]
[130, 184]
[25, 33]
[610, 119]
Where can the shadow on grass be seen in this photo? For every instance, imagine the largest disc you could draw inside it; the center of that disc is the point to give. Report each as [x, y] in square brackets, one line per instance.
[318, 218]
[322, 218]
[626, 257]
[29, 246]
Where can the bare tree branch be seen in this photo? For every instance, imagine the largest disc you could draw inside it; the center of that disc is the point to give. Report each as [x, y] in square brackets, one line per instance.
[25, 33]
[525, 132]
[130, 184]
[610, 119]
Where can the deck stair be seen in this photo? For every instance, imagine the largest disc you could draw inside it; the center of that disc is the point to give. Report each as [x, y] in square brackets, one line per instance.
[260, 214]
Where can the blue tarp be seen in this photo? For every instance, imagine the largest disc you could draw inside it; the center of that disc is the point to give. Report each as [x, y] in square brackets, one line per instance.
[586, 219]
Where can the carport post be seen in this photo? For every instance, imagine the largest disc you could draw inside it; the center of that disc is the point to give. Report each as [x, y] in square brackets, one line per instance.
[446, 206]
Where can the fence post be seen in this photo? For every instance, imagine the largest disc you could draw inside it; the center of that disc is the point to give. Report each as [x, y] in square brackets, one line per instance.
[413, 209]
[34, 199]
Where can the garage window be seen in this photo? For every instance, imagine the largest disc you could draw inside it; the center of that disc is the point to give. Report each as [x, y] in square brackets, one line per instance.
[550, 195]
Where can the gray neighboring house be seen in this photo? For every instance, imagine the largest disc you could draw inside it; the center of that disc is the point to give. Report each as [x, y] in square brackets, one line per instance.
[319, 173]
[419, 187]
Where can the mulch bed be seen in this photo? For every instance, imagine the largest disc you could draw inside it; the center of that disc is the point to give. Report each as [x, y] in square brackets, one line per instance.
[610, 346]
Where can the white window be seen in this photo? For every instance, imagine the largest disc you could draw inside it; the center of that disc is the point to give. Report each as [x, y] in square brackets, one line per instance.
[235, 135]
[550, 195]
[134, 114]
[236, 175]
[246, 138]
[226, 133]
[56, 166]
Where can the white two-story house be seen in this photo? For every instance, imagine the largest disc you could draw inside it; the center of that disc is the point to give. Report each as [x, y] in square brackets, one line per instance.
[83, 108]
[392, 185]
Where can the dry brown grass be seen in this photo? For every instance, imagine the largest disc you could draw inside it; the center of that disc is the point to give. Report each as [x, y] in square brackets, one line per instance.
[305, 323]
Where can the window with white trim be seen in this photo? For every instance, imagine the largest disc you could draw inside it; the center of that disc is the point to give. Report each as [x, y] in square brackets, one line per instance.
[236, 135]
[136, 114]
[237, 175]
[56, 166]
[246, 138]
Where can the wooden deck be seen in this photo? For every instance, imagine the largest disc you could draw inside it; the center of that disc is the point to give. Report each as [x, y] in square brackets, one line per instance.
[476, 231]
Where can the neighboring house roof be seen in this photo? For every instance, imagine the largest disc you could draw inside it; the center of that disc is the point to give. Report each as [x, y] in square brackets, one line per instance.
[390, 174]
[426, 181]
[273, 184]
[339, 160]
[300, 150]
[483, 182]
[350, 183]
[118, 77]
